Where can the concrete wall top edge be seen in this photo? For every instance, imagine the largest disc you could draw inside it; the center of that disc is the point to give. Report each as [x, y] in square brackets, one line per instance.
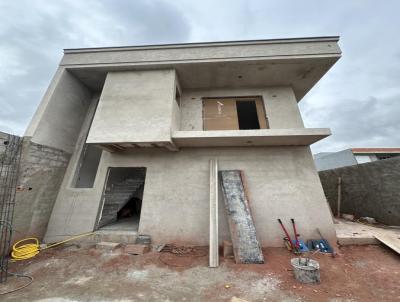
[203, 53]
[205, 44]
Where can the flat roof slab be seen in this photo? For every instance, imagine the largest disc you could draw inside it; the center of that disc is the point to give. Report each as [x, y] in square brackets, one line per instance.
[298, 63]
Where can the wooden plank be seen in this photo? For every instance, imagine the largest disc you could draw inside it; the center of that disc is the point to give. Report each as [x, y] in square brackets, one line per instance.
[246, 247]
[213, 252]
[262, 117]
[392, 241]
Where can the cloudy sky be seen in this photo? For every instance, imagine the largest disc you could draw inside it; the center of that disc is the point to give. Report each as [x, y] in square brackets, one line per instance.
[359, 99]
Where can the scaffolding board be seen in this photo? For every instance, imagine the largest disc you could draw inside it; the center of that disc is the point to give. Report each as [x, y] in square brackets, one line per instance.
[246, 247]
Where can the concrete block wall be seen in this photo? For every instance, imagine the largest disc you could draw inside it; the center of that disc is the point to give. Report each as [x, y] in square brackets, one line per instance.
[8, 160]
[41, 172]
[370, 189]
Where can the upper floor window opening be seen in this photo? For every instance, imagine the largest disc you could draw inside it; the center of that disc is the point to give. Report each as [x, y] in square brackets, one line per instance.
[234, 113]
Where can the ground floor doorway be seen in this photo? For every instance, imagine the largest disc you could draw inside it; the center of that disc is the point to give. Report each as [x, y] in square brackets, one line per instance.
[122, 199]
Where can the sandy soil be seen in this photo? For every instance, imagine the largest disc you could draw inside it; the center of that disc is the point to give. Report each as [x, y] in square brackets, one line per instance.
[65, 274]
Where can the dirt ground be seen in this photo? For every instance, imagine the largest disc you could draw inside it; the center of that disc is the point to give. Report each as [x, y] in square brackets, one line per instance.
[73, 273]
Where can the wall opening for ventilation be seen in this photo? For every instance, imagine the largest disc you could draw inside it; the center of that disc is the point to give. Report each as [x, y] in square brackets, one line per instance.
[247, 115]
[88, 165]
[122, 199]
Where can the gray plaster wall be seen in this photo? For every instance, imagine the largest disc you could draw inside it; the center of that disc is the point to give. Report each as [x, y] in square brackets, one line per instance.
[59, 118]
[370, 189]
[282, 183]
[334, 160]
[135, 106]
[280, 104]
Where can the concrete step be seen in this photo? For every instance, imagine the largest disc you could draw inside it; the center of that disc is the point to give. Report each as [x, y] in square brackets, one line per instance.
[126, 237]
[118, 191]
[118, 195]
[136, 184]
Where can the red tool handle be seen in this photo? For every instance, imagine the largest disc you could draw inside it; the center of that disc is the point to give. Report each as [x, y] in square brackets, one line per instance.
[286, 233]
[296, 235]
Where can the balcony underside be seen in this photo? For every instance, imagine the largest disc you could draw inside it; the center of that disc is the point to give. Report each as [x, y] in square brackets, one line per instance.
[241, 138]
[229, 138]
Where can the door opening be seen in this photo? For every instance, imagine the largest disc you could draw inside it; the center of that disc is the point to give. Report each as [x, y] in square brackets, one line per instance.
[122, 199]
[247, 115]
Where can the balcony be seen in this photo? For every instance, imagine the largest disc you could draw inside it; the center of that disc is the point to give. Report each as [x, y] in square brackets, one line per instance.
[243, 138]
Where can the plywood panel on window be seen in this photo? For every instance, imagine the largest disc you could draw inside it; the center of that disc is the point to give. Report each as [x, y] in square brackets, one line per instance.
[220, 114]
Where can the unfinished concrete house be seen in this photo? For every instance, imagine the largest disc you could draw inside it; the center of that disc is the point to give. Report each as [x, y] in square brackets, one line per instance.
[122, 140]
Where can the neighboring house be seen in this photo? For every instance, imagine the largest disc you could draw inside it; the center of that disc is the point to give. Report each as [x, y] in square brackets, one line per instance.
[354, 156]
[140, 124]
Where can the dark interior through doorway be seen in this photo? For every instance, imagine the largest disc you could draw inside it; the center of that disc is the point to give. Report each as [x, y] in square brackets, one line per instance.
[122, 199]
[247, 115]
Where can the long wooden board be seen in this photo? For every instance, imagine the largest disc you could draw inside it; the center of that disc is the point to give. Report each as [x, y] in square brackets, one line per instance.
[246, 247]
[392, 241]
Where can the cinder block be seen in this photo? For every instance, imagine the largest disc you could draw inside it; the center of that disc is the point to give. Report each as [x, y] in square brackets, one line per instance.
[107, 245]
[136, 249]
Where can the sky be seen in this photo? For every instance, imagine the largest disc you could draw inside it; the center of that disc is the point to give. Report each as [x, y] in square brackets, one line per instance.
[359, 98]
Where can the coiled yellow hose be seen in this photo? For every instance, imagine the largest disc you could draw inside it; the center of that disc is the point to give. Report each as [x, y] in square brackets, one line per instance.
[32, 248]
[25, 251]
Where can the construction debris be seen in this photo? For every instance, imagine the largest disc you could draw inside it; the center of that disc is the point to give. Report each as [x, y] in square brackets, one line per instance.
[172, 252]
[143, 239]
[348, 217]
[369, 220]
[160, 247]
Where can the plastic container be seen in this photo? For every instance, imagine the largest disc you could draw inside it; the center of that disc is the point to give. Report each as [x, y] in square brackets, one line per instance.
[306, 270]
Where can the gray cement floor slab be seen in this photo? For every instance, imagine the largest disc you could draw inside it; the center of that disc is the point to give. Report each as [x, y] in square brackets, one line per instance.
[350, 233]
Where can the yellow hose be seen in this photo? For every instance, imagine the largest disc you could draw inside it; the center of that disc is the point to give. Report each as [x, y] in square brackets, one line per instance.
[29, 250]
[25, 251]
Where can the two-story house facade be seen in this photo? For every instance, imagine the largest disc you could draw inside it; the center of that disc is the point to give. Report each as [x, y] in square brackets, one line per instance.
[140, 124]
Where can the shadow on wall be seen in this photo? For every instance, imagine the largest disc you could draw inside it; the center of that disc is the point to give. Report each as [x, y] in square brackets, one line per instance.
[370, 189]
